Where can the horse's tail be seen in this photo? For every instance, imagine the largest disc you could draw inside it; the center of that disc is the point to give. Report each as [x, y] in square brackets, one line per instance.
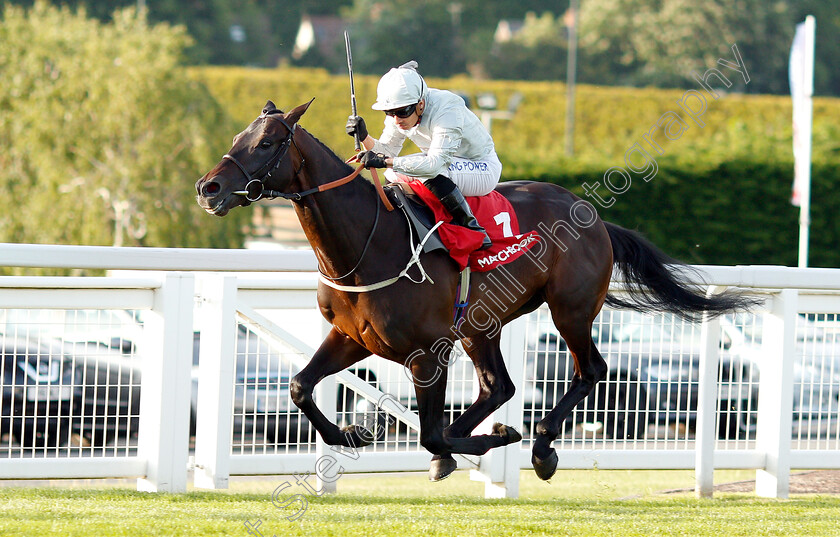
[656, 282]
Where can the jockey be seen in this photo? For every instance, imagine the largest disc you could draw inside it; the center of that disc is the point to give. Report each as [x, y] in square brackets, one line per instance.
[458, 157]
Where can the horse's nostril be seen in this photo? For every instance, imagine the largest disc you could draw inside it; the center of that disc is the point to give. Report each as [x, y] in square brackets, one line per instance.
[212, 188]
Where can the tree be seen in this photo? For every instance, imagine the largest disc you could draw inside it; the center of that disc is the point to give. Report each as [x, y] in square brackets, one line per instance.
[389, 34]
[103, 133]
[660, 42]
[537, 52]
[826, 74]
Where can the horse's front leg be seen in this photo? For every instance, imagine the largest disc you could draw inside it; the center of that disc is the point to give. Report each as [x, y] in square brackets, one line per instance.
[495, 388]
[430, 387]
[336, 353]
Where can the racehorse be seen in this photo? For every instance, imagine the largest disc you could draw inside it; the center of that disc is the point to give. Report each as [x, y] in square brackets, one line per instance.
[358, 244]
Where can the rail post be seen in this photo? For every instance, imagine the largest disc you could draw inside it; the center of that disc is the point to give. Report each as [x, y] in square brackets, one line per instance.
[775, 401]
[217, 355]
[707, 403]
[163, 439]
[325, 394]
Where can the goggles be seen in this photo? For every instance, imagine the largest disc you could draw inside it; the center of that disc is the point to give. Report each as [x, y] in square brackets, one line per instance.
[402, 113]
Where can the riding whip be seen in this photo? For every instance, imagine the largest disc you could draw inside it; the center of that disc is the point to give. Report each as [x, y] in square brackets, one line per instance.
[352, 86]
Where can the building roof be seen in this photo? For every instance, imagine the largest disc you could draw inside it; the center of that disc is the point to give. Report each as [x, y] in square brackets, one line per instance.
[319, 31]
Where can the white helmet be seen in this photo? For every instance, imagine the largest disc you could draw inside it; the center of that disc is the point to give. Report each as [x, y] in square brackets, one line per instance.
[401, 86]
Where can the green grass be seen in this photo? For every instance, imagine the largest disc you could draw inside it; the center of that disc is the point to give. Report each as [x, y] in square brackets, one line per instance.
[592, 503]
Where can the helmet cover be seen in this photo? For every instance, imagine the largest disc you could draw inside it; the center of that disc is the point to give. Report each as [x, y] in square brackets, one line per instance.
[400, 87]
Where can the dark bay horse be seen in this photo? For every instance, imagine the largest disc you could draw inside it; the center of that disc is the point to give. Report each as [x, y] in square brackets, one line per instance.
[357, 243]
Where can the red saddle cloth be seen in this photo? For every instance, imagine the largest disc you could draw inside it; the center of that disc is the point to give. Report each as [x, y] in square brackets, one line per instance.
[495, 214]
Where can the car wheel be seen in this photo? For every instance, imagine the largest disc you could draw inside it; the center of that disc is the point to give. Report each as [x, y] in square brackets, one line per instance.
[616, 410]
[733, 419]
[623, 418]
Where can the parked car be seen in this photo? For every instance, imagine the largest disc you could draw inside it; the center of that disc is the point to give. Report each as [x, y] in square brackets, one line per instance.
[101, 346]
[99, 349]
[106, 396]
[816, 368]
[653, 376]
[37, 394]
[100, 381]
[55, 394]
[262, 406]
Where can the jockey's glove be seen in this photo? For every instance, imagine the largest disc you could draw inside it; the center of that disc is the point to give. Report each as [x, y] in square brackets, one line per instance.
[371, 159]
[356, 125]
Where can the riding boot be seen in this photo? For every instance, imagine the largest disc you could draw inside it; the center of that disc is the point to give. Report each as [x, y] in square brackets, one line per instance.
[454, 202]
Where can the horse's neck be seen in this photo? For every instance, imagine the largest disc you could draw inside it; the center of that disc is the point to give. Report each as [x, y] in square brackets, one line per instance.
[337, 222]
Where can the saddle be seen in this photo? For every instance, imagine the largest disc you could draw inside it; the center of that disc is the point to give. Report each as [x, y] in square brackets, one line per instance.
[424, 226]
[418, 214]
[493, 211]
[426, 216]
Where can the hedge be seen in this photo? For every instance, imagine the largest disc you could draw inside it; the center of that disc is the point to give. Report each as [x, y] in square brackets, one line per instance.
[734, 212]
[720, 194]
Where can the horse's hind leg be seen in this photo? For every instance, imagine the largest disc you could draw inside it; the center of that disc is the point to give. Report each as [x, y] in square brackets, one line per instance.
[590, 368]
[336, 353]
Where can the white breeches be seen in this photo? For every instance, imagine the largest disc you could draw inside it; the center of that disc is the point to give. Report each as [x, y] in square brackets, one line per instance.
[472, 177]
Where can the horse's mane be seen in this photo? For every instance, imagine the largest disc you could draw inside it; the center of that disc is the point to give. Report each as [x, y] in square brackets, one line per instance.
[332, 153]
[326, 148]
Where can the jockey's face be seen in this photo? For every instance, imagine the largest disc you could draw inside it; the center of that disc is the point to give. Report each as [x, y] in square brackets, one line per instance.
[411, 120]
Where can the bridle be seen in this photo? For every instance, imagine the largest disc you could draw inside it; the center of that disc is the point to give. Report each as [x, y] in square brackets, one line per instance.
[258, 177]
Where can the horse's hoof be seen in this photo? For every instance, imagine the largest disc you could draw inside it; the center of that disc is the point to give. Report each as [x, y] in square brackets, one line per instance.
[357, 436]
[545, 468]
[441, 467]
[510, 434]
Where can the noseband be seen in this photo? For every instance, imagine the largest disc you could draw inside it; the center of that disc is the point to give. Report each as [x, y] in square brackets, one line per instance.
[258, 177]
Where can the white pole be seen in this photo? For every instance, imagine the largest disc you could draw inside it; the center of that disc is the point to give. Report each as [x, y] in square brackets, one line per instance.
[216, 369]
[802, 91]
[706, 437]
[775, 413]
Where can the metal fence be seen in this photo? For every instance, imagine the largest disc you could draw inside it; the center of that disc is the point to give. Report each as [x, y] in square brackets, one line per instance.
[71, 383]
[212, 355]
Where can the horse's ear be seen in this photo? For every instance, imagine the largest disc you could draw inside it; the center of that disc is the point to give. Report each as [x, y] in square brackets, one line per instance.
[294, 115]
[268, 108]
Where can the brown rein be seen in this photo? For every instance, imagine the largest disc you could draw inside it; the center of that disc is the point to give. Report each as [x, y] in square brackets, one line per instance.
[329, 186]
[344, 180]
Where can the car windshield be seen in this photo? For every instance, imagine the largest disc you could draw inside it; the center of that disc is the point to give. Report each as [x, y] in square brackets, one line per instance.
[809, 326]
[631, 326]
[118, 329]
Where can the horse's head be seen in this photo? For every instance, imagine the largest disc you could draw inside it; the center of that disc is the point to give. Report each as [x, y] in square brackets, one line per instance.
[260, 153]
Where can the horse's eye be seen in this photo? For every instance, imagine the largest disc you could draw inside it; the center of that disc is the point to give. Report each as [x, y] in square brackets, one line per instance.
[265, 144]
